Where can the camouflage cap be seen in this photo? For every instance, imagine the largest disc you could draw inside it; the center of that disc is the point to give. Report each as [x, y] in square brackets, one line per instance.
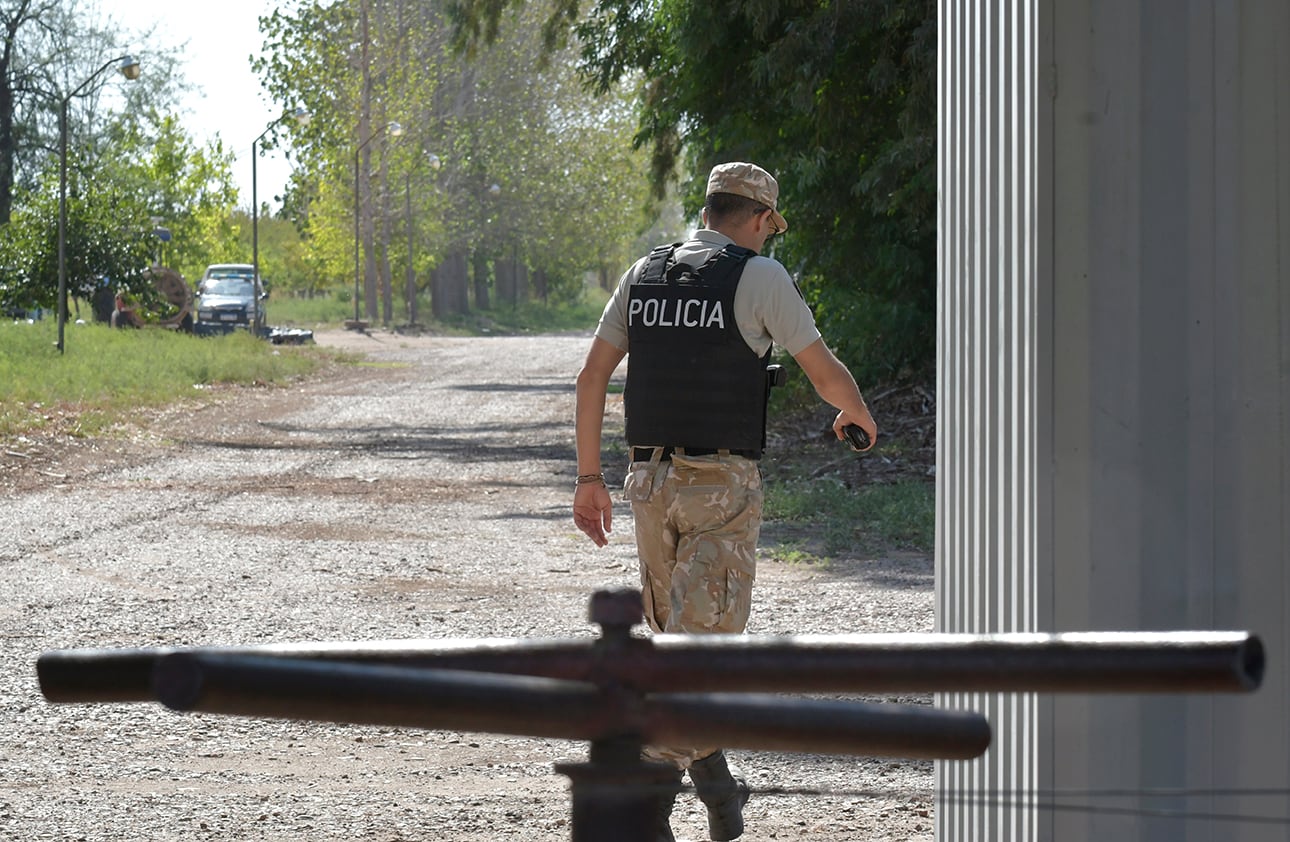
[750, 180]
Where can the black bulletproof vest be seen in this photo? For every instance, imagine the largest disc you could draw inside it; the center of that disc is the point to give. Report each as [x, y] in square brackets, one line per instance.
[692, 380]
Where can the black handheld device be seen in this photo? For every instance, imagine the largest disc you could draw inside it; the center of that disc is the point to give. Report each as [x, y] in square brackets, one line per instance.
[856, 436]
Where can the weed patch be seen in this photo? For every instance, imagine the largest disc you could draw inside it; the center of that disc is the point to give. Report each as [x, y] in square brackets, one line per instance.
[105, 374]
[832, 519]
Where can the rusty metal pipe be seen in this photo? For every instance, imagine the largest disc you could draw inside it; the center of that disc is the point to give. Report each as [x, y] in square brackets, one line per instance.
[125, 675]
[1085, 662]
[763, 722]
[377, 694]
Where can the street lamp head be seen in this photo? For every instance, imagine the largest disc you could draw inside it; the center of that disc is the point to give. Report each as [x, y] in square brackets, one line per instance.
[434, 162]
[494, 190]
[395, 129]
[130, 68]
[302, 116]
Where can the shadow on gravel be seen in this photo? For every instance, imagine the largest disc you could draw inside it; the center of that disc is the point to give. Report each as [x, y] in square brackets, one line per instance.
[561, 513]
[886, 568]
[408, 442]
[560, 387]
[913, 572]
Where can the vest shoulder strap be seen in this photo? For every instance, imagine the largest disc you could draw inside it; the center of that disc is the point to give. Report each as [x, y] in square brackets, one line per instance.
[725, 264]
[660, 265]
[657, 262]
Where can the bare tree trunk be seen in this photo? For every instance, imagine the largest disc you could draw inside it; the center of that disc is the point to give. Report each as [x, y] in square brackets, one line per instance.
[457, 284]
[20, 17]
[436, 290]
[369, 262]
[504, 281]
[481, 279]
[539, 283]
[362, 184]
[449, 284]
[512, 280]
[521, 279]
[385, 275]
[387, 279]
[8, 150]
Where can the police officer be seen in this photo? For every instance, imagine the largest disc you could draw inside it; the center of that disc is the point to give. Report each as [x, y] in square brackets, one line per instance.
[699, 319]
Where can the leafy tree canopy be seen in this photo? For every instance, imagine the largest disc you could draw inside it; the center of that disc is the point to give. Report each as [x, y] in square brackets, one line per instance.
[561, 158]
[130, 165]
[836, 97]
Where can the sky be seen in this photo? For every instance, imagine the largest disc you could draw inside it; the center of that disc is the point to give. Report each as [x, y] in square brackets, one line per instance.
[225, 98]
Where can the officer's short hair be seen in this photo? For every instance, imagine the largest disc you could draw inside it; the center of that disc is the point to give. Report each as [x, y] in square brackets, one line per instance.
[730, 208]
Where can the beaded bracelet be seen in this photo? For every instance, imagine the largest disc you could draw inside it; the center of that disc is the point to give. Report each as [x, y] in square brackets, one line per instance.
[584, 479]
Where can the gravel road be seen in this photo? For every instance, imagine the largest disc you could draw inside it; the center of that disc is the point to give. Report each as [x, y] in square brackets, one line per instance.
[421, 494]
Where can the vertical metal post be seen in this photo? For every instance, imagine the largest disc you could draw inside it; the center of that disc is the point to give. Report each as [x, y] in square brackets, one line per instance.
[62, 221]
[357, 150]
[255, 240]
[411, 273]
[617, 795]
[130, 69]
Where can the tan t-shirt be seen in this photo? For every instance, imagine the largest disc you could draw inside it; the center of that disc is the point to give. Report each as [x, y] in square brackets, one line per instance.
[768, 307]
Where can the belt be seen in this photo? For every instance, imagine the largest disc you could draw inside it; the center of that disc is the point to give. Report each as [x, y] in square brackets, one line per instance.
[645, 454]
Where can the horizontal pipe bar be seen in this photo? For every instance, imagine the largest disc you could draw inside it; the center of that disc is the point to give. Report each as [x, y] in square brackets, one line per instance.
[1108, 662]
[378, 694]
[125, 675]
[780, 723]
[1079, 662]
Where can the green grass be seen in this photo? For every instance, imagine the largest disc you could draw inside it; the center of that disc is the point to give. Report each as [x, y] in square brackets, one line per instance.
[104, 374]
[525, 317]
[287, 311]
[899, 515]
[533, 317]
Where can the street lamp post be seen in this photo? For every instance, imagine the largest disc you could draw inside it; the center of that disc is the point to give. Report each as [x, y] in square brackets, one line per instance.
[129, 68]
[410, 285]
[302, 116]
[395, 130]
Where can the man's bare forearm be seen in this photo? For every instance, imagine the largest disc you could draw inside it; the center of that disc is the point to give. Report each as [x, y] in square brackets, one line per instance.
[589, 406]
[834, 383]
[589, 420]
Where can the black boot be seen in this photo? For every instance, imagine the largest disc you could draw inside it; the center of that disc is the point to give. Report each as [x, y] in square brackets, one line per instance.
[723, 793]
[666, 799]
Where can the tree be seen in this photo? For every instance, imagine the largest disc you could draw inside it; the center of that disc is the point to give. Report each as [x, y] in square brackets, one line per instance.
[187, 189]
[321, 53]
[561, 163]
[107, 238]
[154, 174]
[834, 96]
[47, 49]
[128, 162]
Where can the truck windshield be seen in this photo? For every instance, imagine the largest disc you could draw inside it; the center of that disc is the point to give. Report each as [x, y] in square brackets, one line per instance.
[237, 287]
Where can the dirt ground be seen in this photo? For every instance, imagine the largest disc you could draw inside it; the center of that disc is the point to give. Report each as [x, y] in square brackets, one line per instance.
[422, 494]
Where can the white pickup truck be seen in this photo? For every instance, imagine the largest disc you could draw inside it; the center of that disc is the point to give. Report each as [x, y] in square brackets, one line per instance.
[229, 298]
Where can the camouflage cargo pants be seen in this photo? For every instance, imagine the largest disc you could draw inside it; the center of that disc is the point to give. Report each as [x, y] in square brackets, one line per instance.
[697, 523]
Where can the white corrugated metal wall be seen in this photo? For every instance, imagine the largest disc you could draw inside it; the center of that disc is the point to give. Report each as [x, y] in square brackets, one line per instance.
[987, 398]
[1114, 379]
